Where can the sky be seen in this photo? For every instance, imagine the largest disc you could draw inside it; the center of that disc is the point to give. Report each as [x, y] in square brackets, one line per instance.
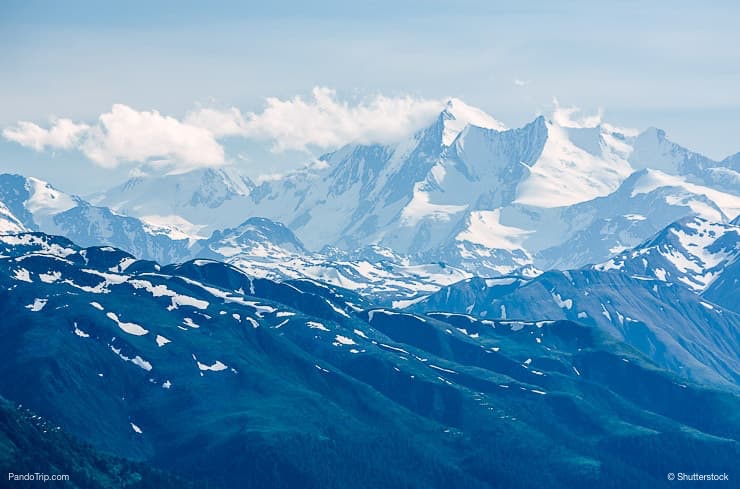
[93, 91]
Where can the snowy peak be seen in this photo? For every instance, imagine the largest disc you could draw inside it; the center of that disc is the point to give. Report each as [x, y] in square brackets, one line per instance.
[418, 197]
[693, 251]
[543, 164]
[645, 203]
[32, 201]
[44, 200]
[256, 237]
[204, 188]
[481, 153]
[13, 196]
[36, 205]
[653, 150]
[221, 183]
[457, 115]
[194, 203]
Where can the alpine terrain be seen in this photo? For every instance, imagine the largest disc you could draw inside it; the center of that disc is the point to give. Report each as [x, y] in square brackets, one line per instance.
[473, 307]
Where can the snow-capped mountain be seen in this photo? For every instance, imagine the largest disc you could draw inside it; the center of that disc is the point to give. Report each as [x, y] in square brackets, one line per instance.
[645, 203]
[692, 251]
[196, 203]
[264, 248]
[34, 202]
[36, 205]
[437, 198]
[257, 236]
[462, 197]
[652, 149]
[464, 191]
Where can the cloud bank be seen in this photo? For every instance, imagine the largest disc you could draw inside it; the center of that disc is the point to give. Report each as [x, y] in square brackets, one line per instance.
[322, 121]
[325, 122]
[125, 135]
[63, 134]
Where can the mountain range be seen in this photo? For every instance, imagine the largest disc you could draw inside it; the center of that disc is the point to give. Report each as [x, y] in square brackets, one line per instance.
[481, 198]
[472, 307]
[465, 194]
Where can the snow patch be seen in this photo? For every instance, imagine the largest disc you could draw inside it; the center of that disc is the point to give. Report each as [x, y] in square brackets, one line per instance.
[130, 328]
[189, 322]
[23, 275]
[316, 325]
[80, 333]
[343, 340]
[50, 278]
[38, 304]
[562, 304]
[215, 367]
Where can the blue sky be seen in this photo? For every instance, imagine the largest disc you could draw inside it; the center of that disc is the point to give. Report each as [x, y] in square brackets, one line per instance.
[673, 65]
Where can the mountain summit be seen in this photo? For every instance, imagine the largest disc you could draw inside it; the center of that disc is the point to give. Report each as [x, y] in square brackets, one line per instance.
[457, 115]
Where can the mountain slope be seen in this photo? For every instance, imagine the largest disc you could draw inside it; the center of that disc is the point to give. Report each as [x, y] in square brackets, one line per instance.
[9, 224]
[692, 251]
[648, 201]
[723, 290]
[30, 444]
[38, 206]
[668, 323]
[652, 149]
[241, 382]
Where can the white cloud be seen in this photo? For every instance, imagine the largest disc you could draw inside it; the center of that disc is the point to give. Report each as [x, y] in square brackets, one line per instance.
[521, 83]
[126, 135]
[228, 122]
[571, 116]
[63, 134]
[325, 122]
[322, 121]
